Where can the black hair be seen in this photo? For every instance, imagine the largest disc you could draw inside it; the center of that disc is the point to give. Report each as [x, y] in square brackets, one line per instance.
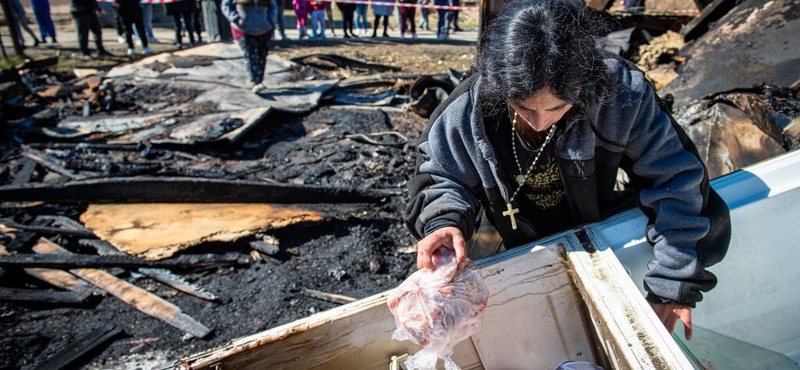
[533, 45]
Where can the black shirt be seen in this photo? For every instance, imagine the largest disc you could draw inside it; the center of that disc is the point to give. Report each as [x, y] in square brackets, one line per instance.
[542, 199]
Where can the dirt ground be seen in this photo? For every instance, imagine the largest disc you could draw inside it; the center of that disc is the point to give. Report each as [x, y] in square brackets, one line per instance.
[357, 255]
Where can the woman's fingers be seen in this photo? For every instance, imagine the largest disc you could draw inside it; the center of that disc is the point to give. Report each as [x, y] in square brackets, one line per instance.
[460, 247]
[447, 237]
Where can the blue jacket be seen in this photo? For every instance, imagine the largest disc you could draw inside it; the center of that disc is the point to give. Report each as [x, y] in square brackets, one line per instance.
[458, 173]
[253, 17]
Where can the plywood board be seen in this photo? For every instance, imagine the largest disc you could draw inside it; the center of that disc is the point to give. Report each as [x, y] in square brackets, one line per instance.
[535, 317]
[533, 321]
[159, 230]
[632, 336]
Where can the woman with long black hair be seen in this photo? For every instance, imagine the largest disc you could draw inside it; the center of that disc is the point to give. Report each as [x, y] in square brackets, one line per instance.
[532, 141]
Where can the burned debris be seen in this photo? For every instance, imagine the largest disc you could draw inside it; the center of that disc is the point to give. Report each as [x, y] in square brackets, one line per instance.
[211, 212]
[147, 180]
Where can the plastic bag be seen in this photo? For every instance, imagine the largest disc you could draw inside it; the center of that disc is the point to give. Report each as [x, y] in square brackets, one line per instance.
[437, 309]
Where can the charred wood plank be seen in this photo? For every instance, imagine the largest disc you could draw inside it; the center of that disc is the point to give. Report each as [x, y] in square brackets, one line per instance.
[335, 298]
[138, 298]
[698, 26]
[47, 230]
[161, 275]
[39, 295]
[81, 347]
[264, 247]
[25, 173]
[187, 190]
[50, 164]
[64, 280]
[73, 260]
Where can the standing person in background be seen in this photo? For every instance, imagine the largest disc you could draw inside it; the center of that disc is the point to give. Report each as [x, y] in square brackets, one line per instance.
[41, 9]
[84, 13]
[347, 10]
[301, 9]
[383, 11]
[454, 16]
[181, 10]
[196, 13]
[362, 25]
[318, 18]
[443, 27]
[252, 25]
[131, 16]
[217, 27]
[329, 14]
[424, 11]
[407, 21]
[18, 12]
[281, 29]
[147, 20]
[119, 26]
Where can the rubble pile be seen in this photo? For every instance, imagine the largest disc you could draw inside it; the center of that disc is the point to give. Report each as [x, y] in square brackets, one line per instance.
[224, 216]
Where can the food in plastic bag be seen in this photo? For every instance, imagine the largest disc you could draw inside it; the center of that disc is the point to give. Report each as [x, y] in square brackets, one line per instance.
[437, 309]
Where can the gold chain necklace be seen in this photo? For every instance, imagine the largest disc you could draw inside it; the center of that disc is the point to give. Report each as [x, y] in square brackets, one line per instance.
[521, 179]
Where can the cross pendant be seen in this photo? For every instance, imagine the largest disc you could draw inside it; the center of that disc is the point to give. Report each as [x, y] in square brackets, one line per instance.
[510, 213]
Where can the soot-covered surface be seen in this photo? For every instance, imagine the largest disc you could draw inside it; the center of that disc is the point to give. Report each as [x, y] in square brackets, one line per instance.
[358, 254]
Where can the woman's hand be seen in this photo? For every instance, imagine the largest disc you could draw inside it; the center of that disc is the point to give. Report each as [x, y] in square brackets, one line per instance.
[446, 237]
[669, 313]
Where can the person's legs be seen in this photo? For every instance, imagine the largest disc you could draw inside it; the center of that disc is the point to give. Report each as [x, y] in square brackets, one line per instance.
[127, 23]
[138, 23]
[82, 27]
[349, 18]
[385, 25]
[262, 48]
[94, 26]
[329, 14]
[361, 18]
[375, 26]
[440, 28]
[23, 23]
[187, 20]
[147, 21]
[403, 21]
[249, 47]
[196, 25]
[119, 25]
[411, 13]
[281, 27]
[314, 23]
[176, 21]
[302, 25]
[41, 10]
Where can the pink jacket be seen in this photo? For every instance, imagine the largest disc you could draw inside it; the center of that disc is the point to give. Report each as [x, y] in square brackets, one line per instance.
[301, 7]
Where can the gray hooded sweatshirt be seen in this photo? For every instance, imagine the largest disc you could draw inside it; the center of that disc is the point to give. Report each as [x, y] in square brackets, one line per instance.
[458, 174]
[253, 17]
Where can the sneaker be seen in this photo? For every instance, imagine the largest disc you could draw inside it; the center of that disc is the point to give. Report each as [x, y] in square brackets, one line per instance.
[153, 40]
[86, 57]
[414, 36]
[402, 35]
[131, 51]
[147, 51]
[137, 41]
[121, 40]
[104, 53]
[259, 88]
[283, 36]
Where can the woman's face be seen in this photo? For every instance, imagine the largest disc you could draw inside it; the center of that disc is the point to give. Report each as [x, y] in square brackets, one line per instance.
[541, 110]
